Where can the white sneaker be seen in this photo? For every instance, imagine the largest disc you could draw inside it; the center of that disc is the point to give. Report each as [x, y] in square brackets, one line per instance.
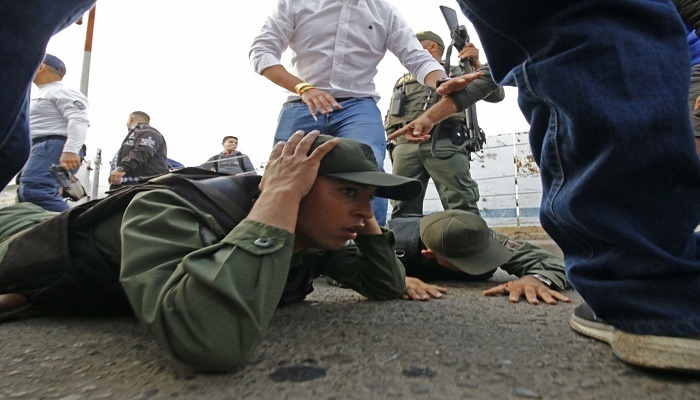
[651, 351]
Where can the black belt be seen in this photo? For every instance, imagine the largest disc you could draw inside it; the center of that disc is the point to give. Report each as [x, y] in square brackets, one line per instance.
[338, 99]
[48, 137]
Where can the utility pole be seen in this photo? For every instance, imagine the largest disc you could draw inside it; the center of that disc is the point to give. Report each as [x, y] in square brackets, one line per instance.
[85, 78]
[84, 83]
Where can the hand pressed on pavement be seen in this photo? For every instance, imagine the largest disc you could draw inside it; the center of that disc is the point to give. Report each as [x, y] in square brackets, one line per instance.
[416, 289]
[529, 287]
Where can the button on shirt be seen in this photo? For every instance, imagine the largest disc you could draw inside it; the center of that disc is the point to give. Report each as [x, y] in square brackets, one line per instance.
[59, 110]
[337, 45]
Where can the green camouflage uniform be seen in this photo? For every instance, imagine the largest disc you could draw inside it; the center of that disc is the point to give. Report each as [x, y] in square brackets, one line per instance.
[207, 294]
[527, 258]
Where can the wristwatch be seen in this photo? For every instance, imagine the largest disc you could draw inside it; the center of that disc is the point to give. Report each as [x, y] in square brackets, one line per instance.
[440, 82]
[120, 169]
[543, 279]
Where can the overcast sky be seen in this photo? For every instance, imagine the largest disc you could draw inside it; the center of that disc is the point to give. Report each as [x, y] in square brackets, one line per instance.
[186, 64]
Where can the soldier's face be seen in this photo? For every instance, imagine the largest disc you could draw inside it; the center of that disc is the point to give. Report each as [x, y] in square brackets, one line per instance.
[333, 212]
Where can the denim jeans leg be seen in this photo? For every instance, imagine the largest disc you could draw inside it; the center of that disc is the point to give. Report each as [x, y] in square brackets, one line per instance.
[295, 116]
[361, 120]
[25, 29]
[612, 137]
[37, 184]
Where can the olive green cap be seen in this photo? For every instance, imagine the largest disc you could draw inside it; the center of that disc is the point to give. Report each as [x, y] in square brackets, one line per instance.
[428, 35]
[464, 239]
[353, 161]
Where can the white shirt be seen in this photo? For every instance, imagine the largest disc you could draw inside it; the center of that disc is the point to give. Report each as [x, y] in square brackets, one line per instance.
[59, 110]
[337, 44]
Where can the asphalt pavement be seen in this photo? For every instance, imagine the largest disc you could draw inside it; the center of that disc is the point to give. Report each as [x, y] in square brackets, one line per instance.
[337, 345]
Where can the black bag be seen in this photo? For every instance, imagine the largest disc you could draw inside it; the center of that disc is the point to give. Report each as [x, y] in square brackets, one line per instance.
[408, 245]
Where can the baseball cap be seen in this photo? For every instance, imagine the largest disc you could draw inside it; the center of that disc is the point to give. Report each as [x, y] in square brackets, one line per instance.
[428, 35]
[55, 63]
[464, 239]
[353, 161]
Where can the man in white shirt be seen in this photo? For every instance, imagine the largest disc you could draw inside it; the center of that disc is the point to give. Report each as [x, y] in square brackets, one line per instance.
[336, 47]
[58, 121]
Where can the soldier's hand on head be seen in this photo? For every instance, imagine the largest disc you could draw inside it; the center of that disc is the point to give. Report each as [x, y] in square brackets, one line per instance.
[289, 176]
[290, 170]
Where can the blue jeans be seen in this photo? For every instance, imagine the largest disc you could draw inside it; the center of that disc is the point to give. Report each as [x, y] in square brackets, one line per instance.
[37, 184]
[359, 120]
[604, 86]
[25, 29]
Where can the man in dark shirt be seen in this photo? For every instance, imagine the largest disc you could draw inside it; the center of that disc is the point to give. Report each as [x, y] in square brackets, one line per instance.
[230, 161]
[143, 152]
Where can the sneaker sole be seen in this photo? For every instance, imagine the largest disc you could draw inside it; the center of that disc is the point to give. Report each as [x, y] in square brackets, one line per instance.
[660, 352]
[596, 330]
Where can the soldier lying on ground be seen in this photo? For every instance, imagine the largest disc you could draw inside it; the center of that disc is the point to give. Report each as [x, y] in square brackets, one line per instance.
[458, 245]
[204, 263]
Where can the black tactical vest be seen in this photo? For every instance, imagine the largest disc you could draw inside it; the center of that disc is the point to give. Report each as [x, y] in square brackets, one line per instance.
[417, 98]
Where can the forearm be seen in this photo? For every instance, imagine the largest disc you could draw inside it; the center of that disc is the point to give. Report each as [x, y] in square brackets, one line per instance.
[485, 88]
[279, 75]
[432, 78]
[497, 95]
[276, 208]
[76, 133]
[370, 267]
[208, 304]
[440, 111]
[530, 259]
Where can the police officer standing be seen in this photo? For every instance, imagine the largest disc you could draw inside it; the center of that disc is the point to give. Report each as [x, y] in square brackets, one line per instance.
[450, 170]
[143, 153]
[58, 120]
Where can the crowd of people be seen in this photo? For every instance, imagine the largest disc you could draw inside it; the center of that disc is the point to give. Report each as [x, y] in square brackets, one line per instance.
[207, 254]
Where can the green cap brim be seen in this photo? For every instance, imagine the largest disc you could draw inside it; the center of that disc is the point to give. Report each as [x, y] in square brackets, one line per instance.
[388, 186]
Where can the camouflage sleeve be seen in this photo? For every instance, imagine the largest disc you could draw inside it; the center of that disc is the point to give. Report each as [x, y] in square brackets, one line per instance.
[529, 259]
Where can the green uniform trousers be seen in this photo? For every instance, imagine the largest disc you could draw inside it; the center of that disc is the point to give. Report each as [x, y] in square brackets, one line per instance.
[454, 183]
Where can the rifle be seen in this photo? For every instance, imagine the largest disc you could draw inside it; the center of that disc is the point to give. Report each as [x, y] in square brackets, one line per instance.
[475, 136]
